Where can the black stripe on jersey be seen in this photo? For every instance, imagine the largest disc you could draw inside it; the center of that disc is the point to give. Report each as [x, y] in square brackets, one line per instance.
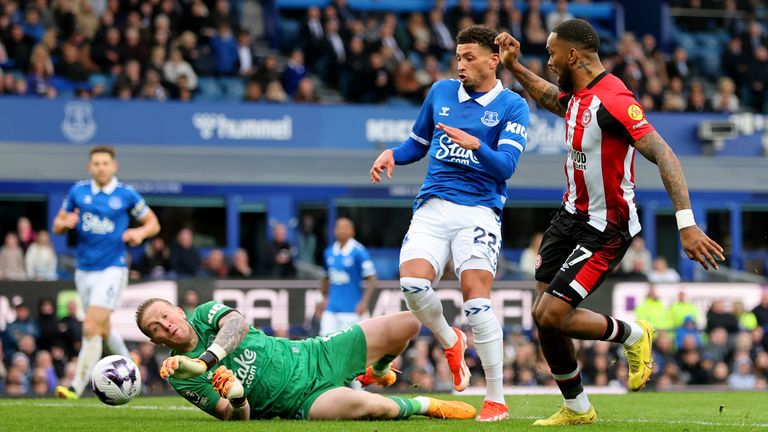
[610, 124]
[597, 79]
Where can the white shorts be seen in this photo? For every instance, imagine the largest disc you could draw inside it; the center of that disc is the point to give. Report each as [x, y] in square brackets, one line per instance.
[441, 228]
[101, 288]
[335, 321]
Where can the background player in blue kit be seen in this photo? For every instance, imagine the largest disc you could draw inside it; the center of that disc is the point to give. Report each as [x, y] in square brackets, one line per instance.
[474, 131]
[99, 210]
[347, 265]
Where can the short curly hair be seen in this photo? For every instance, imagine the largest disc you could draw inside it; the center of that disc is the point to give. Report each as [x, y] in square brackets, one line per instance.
[481, 35]
[579, 32]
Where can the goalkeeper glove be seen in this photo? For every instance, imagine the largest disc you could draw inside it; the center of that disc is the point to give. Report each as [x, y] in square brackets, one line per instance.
[182, 367]
[228, 386]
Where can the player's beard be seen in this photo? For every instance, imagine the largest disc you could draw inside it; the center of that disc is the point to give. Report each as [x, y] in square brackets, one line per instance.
[565, 80]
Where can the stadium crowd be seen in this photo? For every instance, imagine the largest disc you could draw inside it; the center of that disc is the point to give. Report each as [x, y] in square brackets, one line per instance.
[210, 50]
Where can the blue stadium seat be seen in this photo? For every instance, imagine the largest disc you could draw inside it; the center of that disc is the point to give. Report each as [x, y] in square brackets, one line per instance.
[208, 89]
[233, 87]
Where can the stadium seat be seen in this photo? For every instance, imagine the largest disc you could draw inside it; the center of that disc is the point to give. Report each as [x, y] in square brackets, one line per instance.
[233, 88]
[209, 89]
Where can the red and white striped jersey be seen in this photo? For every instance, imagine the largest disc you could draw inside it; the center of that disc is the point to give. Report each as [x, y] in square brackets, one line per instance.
[603, 121]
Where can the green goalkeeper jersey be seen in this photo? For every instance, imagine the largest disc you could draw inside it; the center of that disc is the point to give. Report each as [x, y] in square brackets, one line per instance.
[274, 371]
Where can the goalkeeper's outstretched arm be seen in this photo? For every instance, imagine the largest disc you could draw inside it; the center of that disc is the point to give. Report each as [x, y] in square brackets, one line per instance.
[233, 404]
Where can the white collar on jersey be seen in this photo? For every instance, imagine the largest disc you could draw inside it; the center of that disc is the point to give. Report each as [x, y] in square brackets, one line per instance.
[346, 250]
[483, 100]
[108, 189]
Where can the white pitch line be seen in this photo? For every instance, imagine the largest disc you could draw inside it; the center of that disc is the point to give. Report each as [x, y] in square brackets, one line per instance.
[681, 422]
[99, 405]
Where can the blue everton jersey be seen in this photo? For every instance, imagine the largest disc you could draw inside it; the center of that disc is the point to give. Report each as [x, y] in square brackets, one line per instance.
[498, 118]
[346, 269]
[104, 216]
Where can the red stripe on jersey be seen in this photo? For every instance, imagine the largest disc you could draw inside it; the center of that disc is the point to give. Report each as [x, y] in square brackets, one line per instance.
[582, 196]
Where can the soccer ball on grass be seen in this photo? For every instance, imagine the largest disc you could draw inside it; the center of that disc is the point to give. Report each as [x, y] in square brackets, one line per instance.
[116, 380]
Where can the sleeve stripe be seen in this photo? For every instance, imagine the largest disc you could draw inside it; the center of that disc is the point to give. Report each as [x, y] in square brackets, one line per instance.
[514, 143]
[418, 139]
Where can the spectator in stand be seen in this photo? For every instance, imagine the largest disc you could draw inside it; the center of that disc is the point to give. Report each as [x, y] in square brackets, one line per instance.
[725, 100]
[305, 93]
[12, 259]
[697, 100]
[253, 92]
[333, 53]
[674, 99]
[216, 265]
[40, 259]
[312, 36]
[637, 260]
[558, 15]
[761, 310]
[442, 40]
[23, 325]
[719, 316]
[747, 320]
[48, 325]
[71, 327]
[152, 88]
[661, 273]
[240, 267]
[275, 93]
[224, 50]
[653, 310]
[175, 67]
[294, 72]
[129, 83]
[280, 254]
[758, 79]
[267, 72]
[154, 262]
[109, 53]
[184, 256]
[190, 301]
[682, 309]
[25, 233]
[308, 240]
[742, 377]
[245, 54]
[529, 257]
[19, 47]
[150, 368]
[717, 348]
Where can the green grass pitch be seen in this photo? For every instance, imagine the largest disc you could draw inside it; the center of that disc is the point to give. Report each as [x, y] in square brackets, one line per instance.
[644, 411]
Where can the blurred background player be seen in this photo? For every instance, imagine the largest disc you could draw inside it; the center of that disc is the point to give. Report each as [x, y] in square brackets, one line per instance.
[277, 377]
[347, 265]
[593, 229]
[474, 131]
[100, 211]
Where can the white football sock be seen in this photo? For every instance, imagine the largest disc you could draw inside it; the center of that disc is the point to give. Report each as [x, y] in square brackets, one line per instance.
[90, 353]
[424, 303]
[424, 401]
[489, 345]
[636, 332]
[116, 344]
[580, 404]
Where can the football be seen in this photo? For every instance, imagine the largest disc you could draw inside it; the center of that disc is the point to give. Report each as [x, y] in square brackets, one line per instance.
[116, 380]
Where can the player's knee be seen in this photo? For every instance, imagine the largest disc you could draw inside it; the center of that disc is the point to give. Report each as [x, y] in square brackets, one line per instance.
[546, 319]
[95, 327]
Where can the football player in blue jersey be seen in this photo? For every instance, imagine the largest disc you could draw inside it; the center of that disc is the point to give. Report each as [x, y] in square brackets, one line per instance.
[347, 265]
[474, 131]
[99, 210]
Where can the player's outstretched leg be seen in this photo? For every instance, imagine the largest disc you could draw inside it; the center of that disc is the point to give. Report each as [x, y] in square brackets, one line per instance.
[640, 359]
[342, 403]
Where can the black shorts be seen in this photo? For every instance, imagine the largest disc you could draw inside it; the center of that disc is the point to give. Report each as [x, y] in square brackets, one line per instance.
[574, 257]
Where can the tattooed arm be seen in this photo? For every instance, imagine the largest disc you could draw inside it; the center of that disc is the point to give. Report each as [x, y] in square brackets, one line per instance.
[653, 147]
[541, 90]
[232, 331]
[697, 245]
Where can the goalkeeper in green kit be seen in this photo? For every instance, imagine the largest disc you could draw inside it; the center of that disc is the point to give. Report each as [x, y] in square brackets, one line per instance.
[233, 371]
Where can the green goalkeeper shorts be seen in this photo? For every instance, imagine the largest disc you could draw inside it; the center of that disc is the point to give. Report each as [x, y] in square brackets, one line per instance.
[334, 361]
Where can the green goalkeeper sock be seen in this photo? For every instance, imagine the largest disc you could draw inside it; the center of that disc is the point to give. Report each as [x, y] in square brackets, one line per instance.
[381, 366]
[410, 407]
